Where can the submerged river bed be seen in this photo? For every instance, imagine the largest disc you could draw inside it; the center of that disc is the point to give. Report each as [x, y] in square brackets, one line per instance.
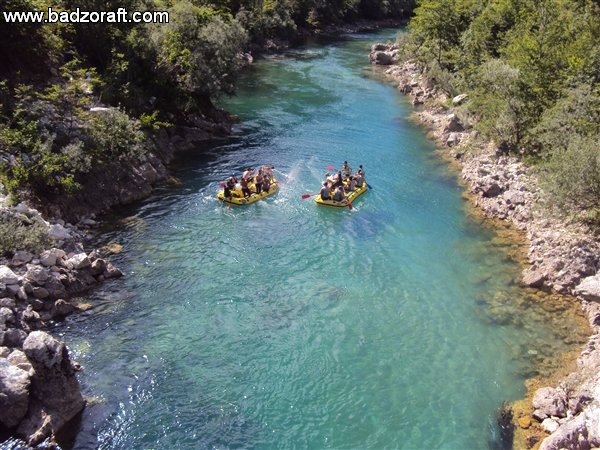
[397, 324]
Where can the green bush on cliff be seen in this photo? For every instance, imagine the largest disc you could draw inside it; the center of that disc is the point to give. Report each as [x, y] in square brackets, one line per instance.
[114, 137]
[196, 51]
[532, 72]
[572, 176]
[569, 136]
[50, 139]
[17, 234]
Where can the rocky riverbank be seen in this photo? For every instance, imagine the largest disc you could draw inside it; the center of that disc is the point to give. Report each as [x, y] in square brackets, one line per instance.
[563, 255]
[39, 392]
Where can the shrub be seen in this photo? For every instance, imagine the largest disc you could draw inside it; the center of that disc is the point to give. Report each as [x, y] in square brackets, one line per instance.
[571, 177]
[16, 234]
[114, 136]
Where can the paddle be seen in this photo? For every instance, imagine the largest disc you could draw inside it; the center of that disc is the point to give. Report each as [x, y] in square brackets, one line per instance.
[349, 205]
[330, 168]
[305, 196]
[222, 185]
[369, 186]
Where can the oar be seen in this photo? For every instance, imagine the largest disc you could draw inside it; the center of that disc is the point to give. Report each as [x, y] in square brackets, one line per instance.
[369, 186]
[305, 196]
[330, 168]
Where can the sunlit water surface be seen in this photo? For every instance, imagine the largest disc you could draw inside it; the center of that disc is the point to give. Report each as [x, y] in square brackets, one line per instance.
[287, 325]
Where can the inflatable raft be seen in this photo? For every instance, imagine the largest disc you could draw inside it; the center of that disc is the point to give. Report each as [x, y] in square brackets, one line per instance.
[238, 199]
[349, 198]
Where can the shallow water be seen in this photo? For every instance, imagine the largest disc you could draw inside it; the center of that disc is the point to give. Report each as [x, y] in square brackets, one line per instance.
[285, 325]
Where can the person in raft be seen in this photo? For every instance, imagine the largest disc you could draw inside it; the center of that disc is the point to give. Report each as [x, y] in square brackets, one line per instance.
[361, 171]
[244, 188]
[360, 178]
[338, 194]
[350, 184]
[258, 179]
[248, 174]
[229, 187]
[268, 170]
[338, 179]
[325, 191]
[266, 183]
[346, 170]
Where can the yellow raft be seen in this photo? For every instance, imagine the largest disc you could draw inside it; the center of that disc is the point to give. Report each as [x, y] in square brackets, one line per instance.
[238, 199]
[349, 198]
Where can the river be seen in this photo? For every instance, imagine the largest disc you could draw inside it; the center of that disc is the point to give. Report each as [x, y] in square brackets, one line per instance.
[288, 325]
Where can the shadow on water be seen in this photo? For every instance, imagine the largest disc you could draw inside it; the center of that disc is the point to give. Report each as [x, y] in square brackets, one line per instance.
[504, 430]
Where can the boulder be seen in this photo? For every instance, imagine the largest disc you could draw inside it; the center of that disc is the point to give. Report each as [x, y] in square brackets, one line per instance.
[48, 258]
[21, 293]
[58, 232]
[98, 267]
[12, 289]
[62, 308]
[30, 319]
[40, 292]
[549, 402]
[7, 316]
[13, 337]
[78, 261]
[453, 139]
[8, 302]
[37, 274]
[7, 276]
[453, 124]
[18, 359]
[533, 278]
[514, 197]
[21, 257]
[83, 279]
[589, 288]
[55, 286]
[550, 425]
[571, 435]
[491, 188]
[54, 387]
[22, 208]
[14, 394]
[379, 47]
[459, 99]
[112, 272]
[382, 58]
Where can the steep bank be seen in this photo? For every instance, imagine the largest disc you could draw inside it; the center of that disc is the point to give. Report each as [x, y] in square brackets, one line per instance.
[39, 391]
[563, 256]
[122, 182]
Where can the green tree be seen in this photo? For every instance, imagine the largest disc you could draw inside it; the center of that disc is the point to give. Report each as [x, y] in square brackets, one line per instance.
[196, 52]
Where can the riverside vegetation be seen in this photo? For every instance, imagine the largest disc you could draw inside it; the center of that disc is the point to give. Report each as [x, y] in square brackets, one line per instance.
[511, 90]
[532, 73]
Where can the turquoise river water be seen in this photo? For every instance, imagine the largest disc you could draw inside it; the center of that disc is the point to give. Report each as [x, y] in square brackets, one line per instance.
[288, 325]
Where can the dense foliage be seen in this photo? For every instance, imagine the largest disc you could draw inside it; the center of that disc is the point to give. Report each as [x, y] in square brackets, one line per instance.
[532, 72]
[145, 76]
[21, 233]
